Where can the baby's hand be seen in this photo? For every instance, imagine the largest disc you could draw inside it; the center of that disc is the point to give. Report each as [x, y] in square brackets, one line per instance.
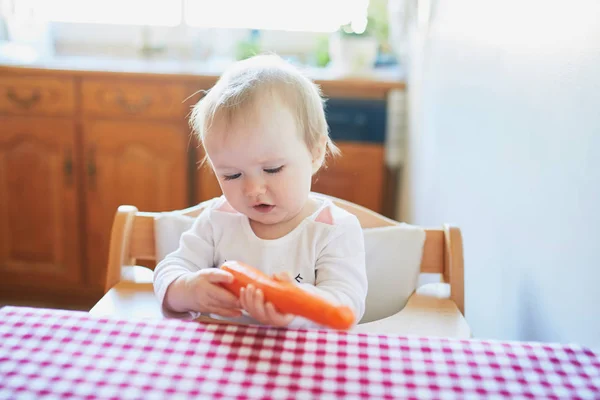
[253, 301]
[201, 292]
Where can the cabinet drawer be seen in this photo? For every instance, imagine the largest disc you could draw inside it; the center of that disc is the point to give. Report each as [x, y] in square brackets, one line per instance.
[37, 95]
[133, 99]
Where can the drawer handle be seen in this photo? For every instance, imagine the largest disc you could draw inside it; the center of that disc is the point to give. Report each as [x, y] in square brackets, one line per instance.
[68, 167]
[133, 108]
[24, 102]
[91, 167]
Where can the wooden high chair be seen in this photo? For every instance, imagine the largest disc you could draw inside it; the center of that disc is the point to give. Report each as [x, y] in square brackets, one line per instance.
[434, 309]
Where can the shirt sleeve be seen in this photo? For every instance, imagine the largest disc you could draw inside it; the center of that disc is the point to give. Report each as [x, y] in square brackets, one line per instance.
[195, 252]
[341, 275]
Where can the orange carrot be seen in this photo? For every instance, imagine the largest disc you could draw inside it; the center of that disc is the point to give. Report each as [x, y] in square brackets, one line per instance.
[289, 298]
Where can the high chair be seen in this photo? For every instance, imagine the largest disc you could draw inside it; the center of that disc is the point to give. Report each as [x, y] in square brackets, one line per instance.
[433, 309]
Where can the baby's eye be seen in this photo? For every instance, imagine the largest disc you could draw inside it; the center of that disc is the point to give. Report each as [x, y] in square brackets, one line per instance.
[273, 170]
[231, 177]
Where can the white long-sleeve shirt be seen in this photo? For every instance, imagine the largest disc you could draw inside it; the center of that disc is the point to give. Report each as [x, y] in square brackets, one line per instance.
[325, 254]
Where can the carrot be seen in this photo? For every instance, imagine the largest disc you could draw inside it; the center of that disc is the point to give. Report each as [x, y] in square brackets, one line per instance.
[289, 298]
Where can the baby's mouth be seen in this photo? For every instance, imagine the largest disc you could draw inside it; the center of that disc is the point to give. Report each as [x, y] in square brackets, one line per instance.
[263, 208]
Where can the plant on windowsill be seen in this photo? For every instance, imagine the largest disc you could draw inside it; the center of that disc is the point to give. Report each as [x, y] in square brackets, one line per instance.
[249, 47]
[353, 51]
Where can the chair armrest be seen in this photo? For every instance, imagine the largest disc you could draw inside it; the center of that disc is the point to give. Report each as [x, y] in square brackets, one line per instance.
[428, 312]
[129, 299]
[137, 274]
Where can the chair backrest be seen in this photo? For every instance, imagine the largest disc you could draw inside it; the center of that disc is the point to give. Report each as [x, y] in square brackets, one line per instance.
[132, 239]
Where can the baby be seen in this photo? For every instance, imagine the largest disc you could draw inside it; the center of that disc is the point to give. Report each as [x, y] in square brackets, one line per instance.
[265, 135]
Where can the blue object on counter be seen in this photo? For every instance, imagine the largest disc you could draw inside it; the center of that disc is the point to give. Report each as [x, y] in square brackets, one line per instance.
[356, 120]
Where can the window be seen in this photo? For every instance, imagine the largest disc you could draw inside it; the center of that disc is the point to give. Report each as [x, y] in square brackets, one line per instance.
[120, 12]
[290, 15]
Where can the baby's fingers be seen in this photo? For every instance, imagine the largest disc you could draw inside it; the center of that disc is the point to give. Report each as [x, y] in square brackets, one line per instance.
[275, 317]
[217, 275]
[254, 302]
[223, 297]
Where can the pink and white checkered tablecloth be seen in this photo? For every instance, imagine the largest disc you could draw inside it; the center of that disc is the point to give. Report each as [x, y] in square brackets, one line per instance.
[65, 354]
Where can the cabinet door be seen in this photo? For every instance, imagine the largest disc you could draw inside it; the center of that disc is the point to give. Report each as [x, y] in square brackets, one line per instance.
[207, 185]
[143, 164]
[357, 175]
[39, 209]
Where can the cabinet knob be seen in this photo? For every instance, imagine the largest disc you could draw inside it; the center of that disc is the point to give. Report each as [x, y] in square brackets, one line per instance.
[133, 108]
[24, 102]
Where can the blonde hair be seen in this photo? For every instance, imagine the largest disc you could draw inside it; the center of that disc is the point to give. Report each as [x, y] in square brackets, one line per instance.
[240, 89]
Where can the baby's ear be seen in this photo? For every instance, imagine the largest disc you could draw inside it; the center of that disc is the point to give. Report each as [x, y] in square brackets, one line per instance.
[318, 153]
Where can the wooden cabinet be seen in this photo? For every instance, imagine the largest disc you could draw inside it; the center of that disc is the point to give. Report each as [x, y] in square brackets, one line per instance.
[65, 167]
[39, 210]
[137, 163]
[357, 174]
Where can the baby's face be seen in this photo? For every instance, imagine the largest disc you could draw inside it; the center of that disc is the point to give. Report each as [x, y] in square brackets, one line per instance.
[262, 164]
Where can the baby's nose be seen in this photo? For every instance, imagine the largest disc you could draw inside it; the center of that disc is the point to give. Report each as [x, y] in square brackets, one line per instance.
[254, 187]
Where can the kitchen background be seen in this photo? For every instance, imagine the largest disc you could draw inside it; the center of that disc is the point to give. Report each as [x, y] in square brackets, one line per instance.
[479, 115]
[94, 107]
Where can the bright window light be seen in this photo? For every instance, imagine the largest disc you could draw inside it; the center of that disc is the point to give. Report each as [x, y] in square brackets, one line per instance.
[119, 12]
[288, 15]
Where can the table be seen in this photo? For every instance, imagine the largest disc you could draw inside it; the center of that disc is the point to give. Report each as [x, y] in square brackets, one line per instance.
[69, 354]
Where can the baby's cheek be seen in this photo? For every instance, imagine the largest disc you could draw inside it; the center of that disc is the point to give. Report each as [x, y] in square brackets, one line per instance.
[302, 180]
[286, 183]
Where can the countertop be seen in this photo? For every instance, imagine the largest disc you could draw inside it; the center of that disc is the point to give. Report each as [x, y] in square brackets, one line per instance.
[187, 70]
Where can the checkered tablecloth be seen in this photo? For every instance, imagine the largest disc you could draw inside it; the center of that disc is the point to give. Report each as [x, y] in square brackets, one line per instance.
[65, 354]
